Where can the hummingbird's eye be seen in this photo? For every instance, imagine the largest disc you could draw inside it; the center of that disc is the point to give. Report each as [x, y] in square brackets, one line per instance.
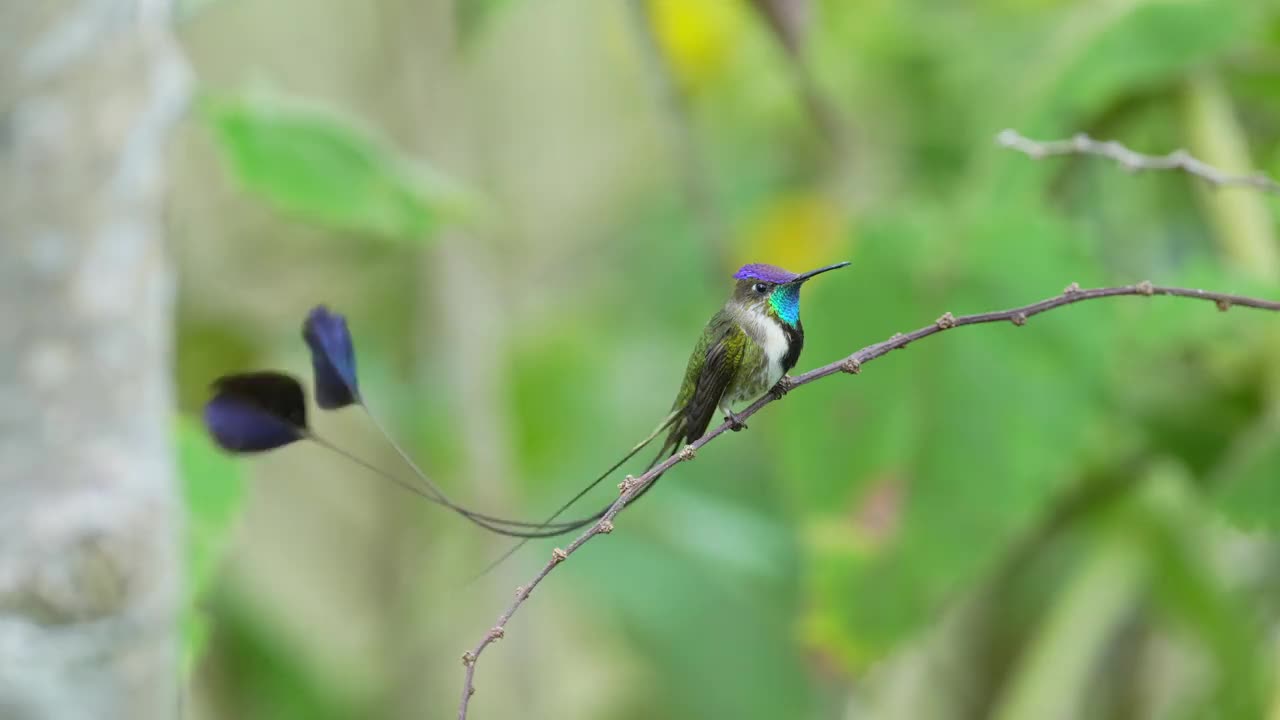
[760, 288]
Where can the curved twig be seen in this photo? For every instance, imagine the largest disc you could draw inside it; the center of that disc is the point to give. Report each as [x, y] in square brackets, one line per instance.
[633, 486]
[1082, 144]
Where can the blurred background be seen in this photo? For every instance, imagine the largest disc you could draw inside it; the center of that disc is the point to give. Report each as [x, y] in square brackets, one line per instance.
[528, 209]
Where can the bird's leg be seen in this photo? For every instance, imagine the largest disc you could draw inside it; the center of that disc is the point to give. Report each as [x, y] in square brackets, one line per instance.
[783, 387]
[735, 423]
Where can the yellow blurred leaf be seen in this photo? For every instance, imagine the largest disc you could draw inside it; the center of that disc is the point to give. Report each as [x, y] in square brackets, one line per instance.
[699, 37]
[797, 232]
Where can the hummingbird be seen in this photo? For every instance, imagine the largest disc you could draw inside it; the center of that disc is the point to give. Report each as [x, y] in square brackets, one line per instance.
[746, 349]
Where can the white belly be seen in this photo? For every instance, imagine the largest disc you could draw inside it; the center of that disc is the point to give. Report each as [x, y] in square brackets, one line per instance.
[774, 343]
[775, 347]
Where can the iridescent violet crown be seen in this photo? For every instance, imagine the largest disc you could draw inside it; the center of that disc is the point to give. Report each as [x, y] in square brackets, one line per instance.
[765, 273]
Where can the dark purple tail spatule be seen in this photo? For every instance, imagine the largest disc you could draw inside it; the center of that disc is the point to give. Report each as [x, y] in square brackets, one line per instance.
[259, 411]
[333, 358]
[256, 411]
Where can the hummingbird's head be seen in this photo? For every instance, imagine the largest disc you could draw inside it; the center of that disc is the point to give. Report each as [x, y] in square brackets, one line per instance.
[771, 290]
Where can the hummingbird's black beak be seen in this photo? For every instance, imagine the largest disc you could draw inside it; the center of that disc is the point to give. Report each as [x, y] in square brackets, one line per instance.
[819, 271]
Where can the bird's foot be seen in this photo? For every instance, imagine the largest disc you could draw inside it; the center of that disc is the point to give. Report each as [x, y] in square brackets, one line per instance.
[784, 386]
[736, 423]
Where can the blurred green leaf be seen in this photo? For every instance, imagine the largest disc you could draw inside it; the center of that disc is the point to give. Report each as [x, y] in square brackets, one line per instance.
[324, 169]
[1053, 680]
[1196, 592]
[212, 488]
[1247, 489]
[1132, 47]
[670, 594]
[278, 682]
[976, 434]
[196, 626]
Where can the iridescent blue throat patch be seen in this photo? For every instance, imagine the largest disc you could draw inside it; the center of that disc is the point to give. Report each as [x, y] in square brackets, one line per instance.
[785, 300]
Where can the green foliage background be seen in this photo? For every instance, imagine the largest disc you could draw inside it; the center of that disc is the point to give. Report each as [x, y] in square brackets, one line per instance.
[1073, 519]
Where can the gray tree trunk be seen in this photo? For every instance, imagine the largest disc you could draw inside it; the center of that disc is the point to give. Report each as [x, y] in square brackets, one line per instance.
[90, 91]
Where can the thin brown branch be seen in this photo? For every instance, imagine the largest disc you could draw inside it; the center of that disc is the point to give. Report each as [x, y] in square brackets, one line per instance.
[1178, 160]
[632, 487]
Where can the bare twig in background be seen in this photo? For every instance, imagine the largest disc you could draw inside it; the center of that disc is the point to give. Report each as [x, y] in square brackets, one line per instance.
[1082, 144]
[789, 21]
[632, 487]
[684, 144]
